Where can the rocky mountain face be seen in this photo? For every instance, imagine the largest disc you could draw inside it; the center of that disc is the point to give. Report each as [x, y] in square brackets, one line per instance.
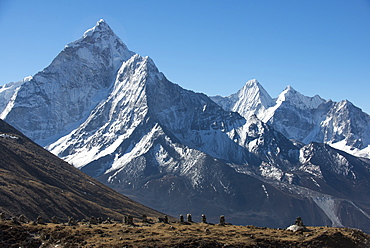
[305, 119]
[34, 182]
[180, 152]
[80, 76]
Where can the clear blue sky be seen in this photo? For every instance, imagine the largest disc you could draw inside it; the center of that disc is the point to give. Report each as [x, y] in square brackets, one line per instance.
[210, 46]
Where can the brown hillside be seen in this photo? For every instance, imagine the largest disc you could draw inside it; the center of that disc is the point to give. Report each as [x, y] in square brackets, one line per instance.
[175, 235]
[34, 182]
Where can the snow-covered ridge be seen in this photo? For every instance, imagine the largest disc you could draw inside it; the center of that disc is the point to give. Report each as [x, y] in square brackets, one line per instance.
[299, 100]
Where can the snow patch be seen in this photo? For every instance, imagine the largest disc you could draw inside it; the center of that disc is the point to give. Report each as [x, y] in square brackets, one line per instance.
[342, 145]
[265, 190]
[271, 172]
[2, 135]
[315, 182]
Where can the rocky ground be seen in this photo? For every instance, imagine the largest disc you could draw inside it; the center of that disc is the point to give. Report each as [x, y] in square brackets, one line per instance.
[185, 234]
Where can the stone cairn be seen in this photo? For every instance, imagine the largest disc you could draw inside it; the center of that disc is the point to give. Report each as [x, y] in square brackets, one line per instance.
[128, 220]
[71, 221]
[222, 220]
[299, 222]
[204, 219]
[164, 220]
[189, 218]
[298, 226]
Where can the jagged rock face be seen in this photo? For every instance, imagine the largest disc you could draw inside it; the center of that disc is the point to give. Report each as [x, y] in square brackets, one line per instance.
[180, 152]
[305, 119]
[345, 174]
[352, 125]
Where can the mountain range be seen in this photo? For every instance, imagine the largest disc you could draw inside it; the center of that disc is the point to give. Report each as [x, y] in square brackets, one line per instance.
[305, 119]
[257, 160]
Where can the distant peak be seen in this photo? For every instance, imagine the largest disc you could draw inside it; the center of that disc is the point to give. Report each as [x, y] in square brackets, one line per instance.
[253, 85]
[252, 82]
[299, 100]
[345, 103]
[102, 24]
[289, 89]
[253, 94]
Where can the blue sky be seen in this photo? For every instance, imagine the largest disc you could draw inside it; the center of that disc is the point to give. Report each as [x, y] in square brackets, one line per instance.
[211, 46]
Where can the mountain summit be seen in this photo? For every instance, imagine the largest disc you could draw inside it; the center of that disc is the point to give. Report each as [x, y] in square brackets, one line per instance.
[68, 89]
[114, 115]
[249, 100]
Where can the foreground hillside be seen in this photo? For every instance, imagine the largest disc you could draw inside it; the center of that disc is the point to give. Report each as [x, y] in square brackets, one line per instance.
[34, 182]
[152, 234]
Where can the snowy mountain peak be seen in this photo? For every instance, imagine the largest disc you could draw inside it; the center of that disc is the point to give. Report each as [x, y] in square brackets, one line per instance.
[101, 26]
[251, 99]
[252, 95]
[287, 92]
[253, 89]
[101, 39]
[69, 88]
[252, 82]
[299, 100]
[101, 21]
